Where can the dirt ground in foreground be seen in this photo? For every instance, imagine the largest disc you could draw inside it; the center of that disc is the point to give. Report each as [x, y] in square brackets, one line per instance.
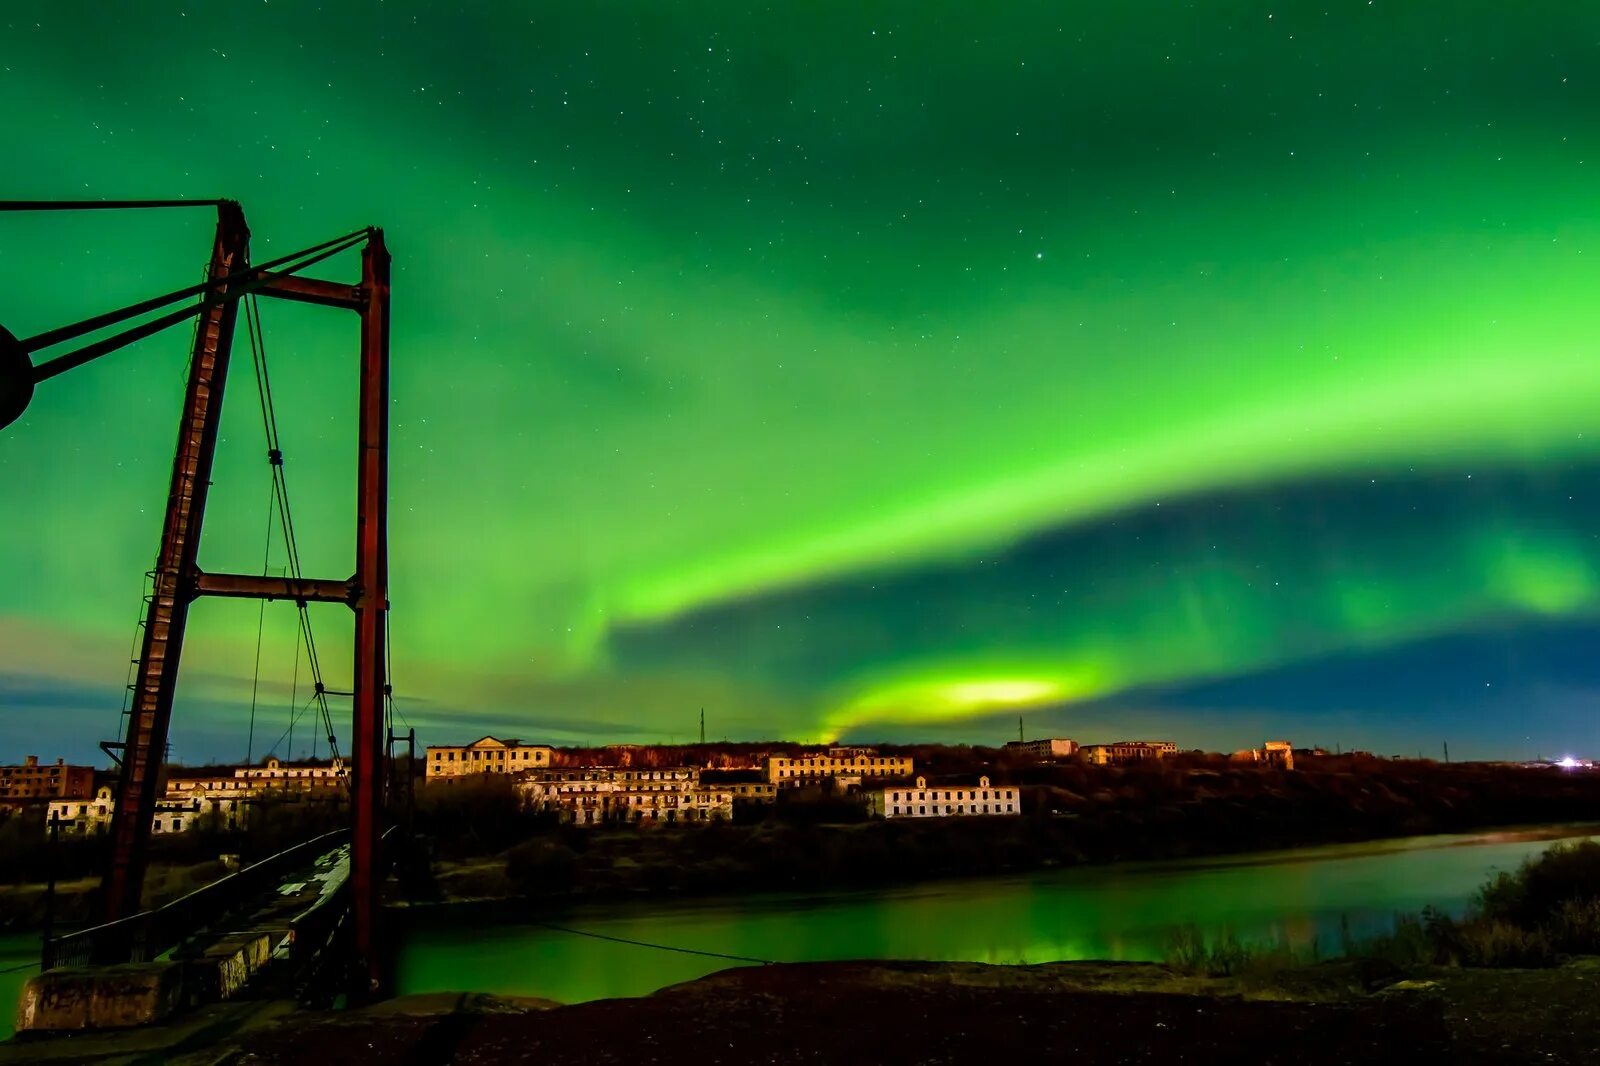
[1355, 1013]
[915, 1013]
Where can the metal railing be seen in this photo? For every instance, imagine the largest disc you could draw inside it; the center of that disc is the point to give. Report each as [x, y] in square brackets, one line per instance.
[150, 934]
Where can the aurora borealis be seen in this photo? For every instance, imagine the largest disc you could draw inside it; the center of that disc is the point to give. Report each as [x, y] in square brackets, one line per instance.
[861, 370]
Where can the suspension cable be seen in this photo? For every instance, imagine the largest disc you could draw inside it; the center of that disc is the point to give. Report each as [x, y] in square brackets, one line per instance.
[295, 717]
[294, 688]
[269, 419]
[388, 670]
[250, 277]
[261, 621]
[100, 205]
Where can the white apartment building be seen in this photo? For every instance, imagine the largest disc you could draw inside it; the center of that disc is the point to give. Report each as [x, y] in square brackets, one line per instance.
[259, 779]
[227, 791]
[85, 814]
[921, 801]
[300, 774]
[171, 815]
[486, 755]
[595, 795]
[812, 769]
[175, 815]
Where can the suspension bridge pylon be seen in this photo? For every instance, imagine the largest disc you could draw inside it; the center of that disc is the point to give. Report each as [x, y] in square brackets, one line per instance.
[177, 579]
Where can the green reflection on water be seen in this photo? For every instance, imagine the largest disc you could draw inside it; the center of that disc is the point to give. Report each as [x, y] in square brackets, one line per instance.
[16, 952]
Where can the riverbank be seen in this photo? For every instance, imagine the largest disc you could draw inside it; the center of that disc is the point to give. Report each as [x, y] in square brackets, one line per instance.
[482, 886]
[22, 906]
[1075, 815]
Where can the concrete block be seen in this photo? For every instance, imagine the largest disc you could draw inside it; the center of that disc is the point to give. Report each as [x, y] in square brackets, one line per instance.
[227, 966]
[107, 997]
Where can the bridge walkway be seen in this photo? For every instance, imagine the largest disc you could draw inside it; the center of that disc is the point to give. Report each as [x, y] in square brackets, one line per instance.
[263, 931]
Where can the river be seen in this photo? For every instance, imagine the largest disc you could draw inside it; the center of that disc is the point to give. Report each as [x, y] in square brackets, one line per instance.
[1128, 911]
[1124, 911]
[19, 958]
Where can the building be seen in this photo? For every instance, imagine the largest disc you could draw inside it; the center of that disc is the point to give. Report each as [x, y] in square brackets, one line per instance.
[920, 801]
[1126, 751]
[175, 815]
[85, 814]
[486, 755]
[228, 792]
[597, 795]
[787, 772]
[710, 803]
[752, 791]
[1276, 752]
[269, 775]
[35, 781]
[1049, 748]
[275, 773]
[747, 786]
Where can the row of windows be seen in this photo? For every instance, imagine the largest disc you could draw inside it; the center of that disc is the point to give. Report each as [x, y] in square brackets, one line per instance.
[291, 773]
[618, 775]
[959, 794]
[859, 760]
[869, 770]
[590, 786]
[961, 809]
[627, 800]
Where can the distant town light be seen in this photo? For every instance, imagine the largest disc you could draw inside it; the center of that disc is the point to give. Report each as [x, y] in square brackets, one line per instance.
[1568, 761]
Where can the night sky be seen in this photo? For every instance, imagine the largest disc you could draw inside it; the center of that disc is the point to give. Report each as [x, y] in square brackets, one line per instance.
[1213, 371]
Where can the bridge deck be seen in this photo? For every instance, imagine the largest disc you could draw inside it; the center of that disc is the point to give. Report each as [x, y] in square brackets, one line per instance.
[273, 930]
[280, 926]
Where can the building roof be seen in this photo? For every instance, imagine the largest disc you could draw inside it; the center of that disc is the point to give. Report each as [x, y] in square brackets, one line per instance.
[488, 740]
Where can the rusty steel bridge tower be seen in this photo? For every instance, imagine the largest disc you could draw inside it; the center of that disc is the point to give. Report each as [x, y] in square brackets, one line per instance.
[177, 577]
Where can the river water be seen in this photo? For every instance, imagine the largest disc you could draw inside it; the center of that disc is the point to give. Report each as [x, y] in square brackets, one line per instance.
[19, 958]
[1124, 912]
[1120, 912]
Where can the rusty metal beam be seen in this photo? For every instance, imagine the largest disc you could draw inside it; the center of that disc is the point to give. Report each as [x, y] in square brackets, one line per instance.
[258, 587]
[313, 291]
[371, 607]
[150, 711]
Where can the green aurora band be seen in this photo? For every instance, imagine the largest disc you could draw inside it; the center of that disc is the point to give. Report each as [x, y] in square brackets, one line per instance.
[1224, 586]
[700, 312]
